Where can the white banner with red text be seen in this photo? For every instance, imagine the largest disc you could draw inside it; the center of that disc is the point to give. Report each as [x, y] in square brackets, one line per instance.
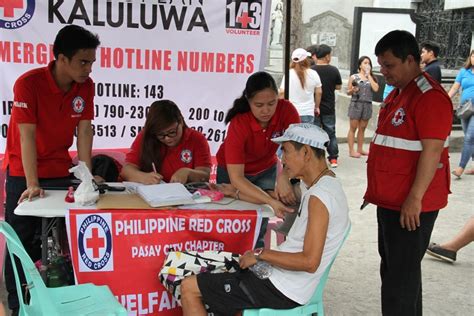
[197, 53]
[126, 249]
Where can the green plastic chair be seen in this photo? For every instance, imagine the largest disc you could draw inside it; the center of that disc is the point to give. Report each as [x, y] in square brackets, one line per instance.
[83, 299]
[315, 304]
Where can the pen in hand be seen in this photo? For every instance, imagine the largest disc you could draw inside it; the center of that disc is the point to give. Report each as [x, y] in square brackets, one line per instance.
[156, 172]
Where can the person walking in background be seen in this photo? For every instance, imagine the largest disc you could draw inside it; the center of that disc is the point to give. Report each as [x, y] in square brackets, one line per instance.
[305, 86]
[331, 81]
[465, 81]
[407, 170]
[361, 87]
[429, 55]
[447, 251]
[166, 149]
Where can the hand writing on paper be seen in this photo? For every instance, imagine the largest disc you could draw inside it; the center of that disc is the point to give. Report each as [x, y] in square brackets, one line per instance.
[151, 178]
[30, 193]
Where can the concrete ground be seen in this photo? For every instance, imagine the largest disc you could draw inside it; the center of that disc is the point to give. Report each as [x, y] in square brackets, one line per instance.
[353, 287]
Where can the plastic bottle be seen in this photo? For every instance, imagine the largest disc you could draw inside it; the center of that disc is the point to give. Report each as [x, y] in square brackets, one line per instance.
[262, 269]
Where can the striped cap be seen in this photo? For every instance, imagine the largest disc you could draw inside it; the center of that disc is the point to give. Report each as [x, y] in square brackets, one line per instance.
[304, 133]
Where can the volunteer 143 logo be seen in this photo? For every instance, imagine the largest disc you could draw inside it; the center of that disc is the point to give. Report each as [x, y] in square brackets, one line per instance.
[244, 14]
[16, 13]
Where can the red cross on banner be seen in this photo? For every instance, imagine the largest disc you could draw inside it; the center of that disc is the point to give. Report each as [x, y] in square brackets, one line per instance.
[95, 242]
[244, 19]
[9, 6]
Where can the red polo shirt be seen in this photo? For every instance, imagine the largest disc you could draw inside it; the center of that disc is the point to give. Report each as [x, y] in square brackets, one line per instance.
[38, 100]
[248, 143]
[193, 151]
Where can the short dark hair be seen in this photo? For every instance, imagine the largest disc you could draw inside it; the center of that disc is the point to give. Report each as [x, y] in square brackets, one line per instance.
[313, 49]
[72, 38]
[400, 43]
[323, 51]
[431, 46]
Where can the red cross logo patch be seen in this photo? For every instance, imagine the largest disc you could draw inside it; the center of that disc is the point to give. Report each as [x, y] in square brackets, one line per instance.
[399, 117]
[94, 242]
[186, 156]
[78, 104]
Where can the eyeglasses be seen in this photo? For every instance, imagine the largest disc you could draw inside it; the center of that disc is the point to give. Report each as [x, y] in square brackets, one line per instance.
[170, 134]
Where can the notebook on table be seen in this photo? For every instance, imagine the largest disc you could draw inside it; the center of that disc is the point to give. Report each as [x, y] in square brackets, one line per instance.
[167, 194]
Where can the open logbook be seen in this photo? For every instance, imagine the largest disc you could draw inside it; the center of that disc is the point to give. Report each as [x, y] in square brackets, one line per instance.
[167, 194]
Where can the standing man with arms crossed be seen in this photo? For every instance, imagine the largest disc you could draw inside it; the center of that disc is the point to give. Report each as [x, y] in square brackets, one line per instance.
[429, 56]
[407, 170]
[331, 80]
[49, 103]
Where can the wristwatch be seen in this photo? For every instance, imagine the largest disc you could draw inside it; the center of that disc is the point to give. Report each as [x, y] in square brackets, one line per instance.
[257, 252]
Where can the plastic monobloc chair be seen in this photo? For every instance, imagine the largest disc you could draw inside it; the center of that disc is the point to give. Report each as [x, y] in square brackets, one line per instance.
[83, 299]
[315, 304]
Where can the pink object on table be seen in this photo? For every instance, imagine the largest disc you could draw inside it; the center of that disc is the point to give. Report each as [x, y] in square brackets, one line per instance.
[214, 195]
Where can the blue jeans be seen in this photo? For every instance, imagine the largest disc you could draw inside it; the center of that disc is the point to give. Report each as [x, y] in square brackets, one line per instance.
[468, 146]
[265, 180]
[307, 119]
[328, 123]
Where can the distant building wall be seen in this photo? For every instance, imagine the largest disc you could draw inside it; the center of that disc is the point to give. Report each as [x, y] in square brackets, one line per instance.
[331, 29]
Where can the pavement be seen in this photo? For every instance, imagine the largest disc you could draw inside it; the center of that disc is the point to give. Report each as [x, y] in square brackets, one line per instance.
[353, 287]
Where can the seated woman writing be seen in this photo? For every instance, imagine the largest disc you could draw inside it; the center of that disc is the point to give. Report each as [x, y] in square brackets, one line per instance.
[167, 150]
[295, 267]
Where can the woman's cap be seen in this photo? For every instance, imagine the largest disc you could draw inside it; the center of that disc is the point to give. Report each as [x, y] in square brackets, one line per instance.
[304, 133]
[299, 55]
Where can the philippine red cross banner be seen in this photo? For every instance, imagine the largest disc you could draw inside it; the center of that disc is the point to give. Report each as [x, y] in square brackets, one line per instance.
[198, 53]
[126, 249]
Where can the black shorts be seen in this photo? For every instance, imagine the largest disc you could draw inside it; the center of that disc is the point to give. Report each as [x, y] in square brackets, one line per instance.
[228, 293]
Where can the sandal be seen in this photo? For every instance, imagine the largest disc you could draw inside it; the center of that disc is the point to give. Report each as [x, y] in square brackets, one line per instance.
[469, 172]
[355, 155]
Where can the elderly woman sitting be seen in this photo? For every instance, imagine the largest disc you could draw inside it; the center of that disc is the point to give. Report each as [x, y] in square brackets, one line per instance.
[287, 276]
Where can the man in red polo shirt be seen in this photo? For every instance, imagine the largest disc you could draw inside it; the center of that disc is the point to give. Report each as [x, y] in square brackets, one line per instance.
[407, 170]
[49, 104]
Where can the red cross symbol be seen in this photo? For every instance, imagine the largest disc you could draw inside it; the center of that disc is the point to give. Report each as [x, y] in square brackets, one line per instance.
[9, 6]
[78, 105]
[244, 19]
[95, 242]
[186, 156]
[398, 116]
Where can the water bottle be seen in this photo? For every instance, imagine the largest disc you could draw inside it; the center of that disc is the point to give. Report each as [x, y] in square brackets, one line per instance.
[262, 269]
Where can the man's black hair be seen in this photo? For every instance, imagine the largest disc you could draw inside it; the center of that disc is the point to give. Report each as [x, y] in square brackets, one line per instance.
[431, 46]
[313, 49]
[400, 43]
[72, 38]
[323, 51]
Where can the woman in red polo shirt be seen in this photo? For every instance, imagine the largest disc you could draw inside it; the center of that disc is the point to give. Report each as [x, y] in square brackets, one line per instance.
[167, 150]
[247, 157]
